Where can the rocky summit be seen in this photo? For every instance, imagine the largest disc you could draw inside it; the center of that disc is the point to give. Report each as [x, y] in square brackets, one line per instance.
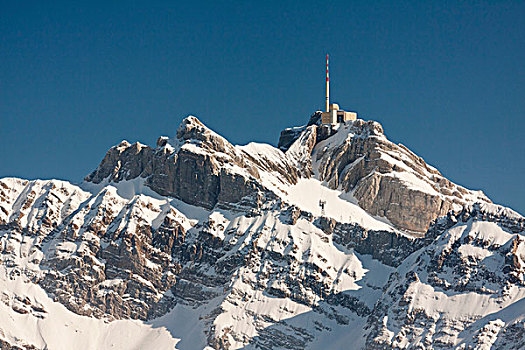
[337, 238]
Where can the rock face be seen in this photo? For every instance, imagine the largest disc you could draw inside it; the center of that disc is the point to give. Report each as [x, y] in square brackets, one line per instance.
[474, 259]
[199, 230]
[386, 179]
[202, 168]
[199, 167]
[102, 255]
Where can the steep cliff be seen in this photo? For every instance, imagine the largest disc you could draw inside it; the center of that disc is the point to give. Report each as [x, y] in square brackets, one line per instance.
[386, 179]
[197, 166]
[210, 245]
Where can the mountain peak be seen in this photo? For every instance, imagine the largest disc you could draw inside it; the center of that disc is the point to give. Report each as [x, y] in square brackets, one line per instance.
[192, 131]
[386, 179]
[190, 126]
[257, 246]
[353, 157]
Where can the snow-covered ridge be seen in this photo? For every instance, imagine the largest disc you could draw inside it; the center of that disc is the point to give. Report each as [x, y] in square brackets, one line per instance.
[406, 166]
[464, 291]
[33, 204]
[385, 179]
[241, 172]
[207, 244]
[491, 211]
[31, 318]
[274, 291]
[355, 158]
[99, 223]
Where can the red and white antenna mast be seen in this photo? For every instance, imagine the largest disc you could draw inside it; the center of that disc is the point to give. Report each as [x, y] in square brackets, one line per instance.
[327, 87]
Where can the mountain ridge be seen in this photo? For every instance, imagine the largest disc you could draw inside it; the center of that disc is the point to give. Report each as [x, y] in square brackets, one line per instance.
[359, 160]
[232, 239]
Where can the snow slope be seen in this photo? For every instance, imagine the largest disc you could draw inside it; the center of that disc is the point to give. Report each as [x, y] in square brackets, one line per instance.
[253, 263]
[255, 301]
[31, 318]
[307, 193]
[465, 289]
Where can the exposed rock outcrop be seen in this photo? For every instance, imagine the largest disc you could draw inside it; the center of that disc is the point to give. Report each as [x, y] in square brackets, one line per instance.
[198, 166]
[245, 267]
[386, 179]
[472, 256]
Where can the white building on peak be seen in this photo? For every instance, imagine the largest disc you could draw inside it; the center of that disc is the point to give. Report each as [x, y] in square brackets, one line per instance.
[332, 113]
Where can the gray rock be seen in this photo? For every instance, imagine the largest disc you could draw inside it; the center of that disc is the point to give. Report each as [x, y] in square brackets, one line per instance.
[197, 170]
[373, 168]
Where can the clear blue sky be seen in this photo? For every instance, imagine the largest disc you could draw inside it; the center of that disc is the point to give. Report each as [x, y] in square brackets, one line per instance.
[447, 79]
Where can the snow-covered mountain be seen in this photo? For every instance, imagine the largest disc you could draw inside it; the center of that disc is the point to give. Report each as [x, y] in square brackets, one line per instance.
[198, 243]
